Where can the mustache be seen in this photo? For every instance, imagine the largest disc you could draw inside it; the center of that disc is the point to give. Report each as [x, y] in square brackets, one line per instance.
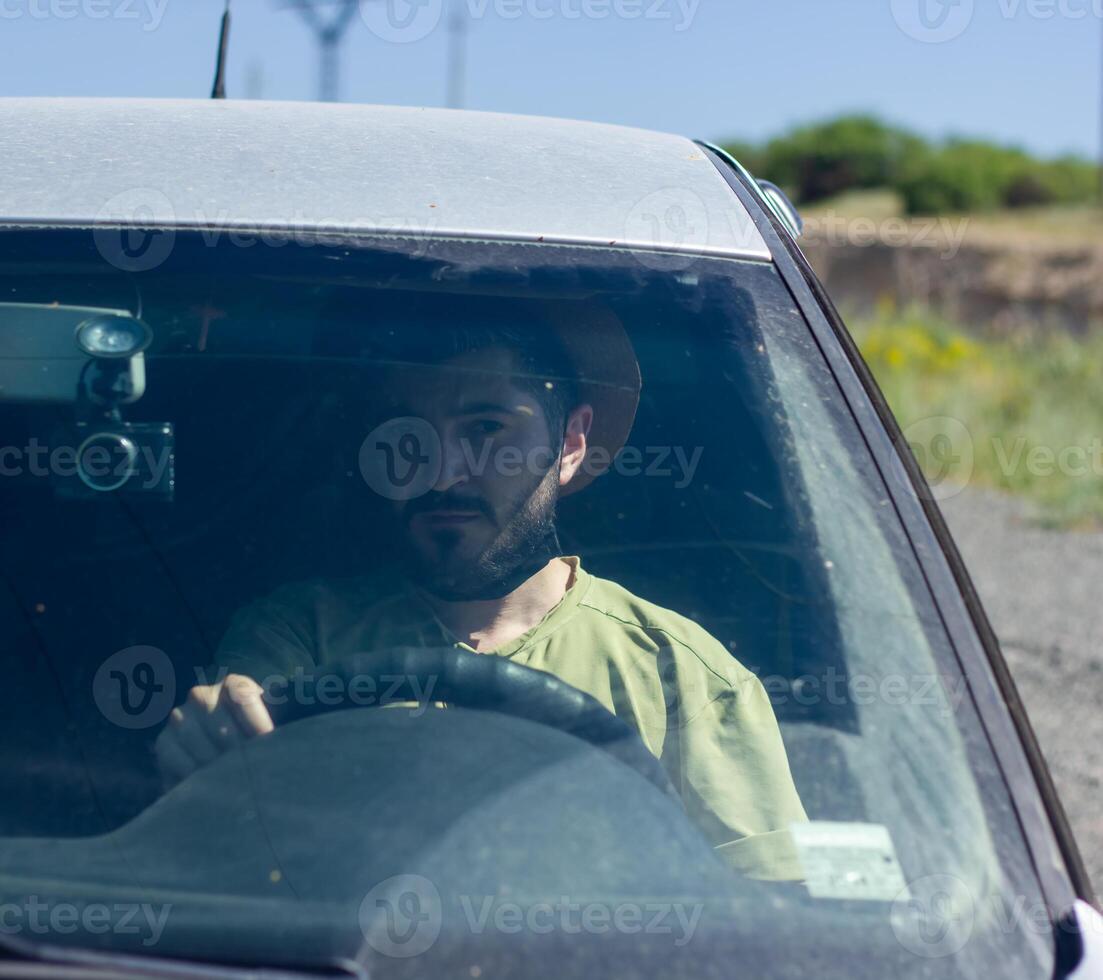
[448, 500]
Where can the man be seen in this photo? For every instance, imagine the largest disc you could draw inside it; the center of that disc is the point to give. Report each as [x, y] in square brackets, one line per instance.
[482, 570]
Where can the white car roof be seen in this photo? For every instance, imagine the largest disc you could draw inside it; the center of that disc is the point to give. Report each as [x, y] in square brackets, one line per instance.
[363, 170]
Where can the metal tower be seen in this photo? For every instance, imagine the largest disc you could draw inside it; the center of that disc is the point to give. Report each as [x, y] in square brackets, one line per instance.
[329, 29]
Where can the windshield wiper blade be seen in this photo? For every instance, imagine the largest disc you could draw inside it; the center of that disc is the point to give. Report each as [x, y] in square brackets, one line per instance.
[27, 959]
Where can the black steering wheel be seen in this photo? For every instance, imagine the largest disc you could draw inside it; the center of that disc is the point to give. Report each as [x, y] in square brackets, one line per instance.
[480, 682]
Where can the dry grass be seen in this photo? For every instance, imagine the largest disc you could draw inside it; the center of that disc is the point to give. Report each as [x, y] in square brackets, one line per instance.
[1019, 414]
[1059, 226]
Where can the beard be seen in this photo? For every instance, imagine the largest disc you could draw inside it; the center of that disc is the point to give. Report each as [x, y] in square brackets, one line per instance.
[525, 542]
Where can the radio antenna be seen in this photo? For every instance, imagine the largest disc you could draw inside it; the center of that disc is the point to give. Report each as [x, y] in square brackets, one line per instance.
[219, 90]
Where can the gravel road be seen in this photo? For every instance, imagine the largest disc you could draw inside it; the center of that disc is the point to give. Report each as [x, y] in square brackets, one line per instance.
[1044, 594]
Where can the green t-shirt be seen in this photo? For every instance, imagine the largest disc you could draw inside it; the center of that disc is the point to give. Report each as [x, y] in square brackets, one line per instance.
[705, 716]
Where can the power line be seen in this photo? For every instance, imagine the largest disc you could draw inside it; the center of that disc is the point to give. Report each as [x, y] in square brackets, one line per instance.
[329, 32]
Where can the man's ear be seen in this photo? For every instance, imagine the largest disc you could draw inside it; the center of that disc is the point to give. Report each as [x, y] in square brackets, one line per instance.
[575, 442]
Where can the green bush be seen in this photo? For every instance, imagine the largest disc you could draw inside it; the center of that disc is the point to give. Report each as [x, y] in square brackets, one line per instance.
[961, 176]
[1071, 180]
[859, 152]
[974, 176]
[1029, 189]
[820, 161]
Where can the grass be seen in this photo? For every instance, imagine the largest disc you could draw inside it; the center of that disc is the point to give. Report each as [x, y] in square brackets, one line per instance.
[1021, 414]
[874, 204]
[1058, 224]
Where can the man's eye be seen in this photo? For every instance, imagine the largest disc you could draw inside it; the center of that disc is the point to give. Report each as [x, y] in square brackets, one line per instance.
[487, 427]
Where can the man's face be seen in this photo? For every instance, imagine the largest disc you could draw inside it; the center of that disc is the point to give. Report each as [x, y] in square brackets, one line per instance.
[493, 506]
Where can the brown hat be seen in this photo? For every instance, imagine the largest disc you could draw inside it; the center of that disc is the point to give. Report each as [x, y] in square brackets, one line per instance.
[604, 371]
[607, 377]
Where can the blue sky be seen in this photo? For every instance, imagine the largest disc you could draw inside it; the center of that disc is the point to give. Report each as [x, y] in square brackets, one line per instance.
[1021, 71]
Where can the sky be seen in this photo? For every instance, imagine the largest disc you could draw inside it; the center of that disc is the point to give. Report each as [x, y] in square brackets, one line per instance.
[1024, 72]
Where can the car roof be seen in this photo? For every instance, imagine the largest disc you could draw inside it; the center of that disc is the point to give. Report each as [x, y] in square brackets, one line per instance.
[363, 169]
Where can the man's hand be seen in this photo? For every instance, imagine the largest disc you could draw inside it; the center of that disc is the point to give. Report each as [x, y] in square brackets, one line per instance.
[214, 718]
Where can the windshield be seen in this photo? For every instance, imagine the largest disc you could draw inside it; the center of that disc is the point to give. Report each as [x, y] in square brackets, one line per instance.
[402, 599]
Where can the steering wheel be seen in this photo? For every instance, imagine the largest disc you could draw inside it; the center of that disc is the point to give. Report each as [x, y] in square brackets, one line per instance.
[480, 682]
[531, 789]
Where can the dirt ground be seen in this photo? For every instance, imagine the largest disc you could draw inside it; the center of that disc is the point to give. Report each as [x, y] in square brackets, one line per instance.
[1043, 591]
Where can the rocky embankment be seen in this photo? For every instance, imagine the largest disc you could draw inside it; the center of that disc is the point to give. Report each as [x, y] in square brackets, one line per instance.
[980, 274]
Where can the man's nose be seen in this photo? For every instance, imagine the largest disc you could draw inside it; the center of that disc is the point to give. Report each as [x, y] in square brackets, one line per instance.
[455, 466]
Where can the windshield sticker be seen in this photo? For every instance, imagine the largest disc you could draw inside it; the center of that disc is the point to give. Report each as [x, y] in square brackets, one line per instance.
[849, 860]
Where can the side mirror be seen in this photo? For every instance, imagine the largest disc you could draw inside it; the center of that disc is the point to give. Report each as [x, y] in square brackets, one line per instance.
[782, 207]
[776, 199]
[1079, 934]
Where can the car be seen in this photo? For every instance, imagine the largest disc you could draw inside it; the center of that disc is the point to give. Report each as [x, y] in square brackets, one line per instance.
[220, 324]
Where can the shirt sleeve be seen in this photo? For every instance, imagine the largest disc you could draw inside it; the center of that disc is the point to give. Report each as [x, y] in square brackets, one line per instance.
[272, 637]
[733, 769]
